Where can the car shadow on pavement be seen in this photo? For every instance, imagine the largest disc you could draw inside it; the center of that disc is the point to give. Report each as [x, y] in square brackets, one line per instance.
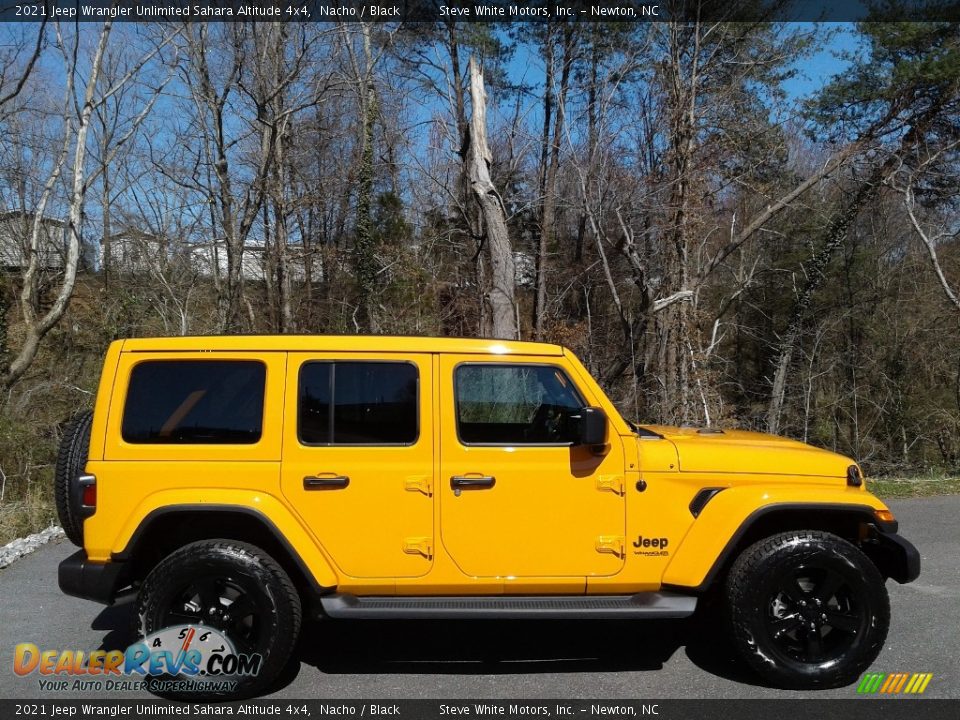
[118, 621]
[503, 647]
[485, 647]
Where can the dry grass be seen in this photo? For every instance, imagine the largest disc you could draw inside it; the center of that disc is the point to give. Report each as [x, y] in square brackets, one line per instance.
[26, 479]
[21, 519]
[922, 486]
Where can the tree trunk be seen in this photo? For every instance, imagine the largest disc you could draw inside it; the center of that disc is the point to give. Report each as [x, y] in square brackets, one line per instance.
[672, 326]
[364, 241]
[591, 146]
[501, 318]
[107, 226]
[37, 328]
[281, 231]
[459, 112]
[546, 186]
[230, 299]
[815, 270]
[551, 167]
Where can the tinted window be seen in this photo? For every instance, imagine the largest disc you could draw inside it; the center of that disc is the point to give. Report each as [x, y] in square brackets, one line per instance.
[203, 401]
[515, 404]
[358, 403]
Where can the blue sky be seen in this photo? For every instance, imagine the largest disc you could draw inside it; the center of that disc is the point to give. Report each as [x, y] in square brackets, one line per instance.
[816, 70]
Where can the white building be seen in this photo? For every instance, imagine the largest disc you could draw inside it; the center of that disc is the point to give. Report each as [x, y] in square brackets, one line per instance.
[133, 252]
[16, 228]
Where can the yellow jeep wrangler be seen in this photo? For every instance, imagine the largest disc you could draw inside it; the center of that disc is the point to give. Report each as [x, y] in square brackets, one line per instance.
[237, 484]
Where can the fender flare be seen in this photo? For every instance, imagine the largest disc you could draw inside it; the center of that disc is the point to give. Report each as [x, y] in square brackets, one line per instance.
[317, 571]
[693, 568]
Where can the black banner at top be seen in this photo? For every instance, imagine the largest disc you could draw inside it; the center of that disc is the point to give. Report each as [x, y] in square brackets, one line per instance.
[478, 10]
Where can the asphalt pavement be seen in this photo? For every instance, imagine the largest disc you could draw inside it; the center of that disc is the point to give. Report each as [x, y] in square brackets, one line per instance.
[517, 659]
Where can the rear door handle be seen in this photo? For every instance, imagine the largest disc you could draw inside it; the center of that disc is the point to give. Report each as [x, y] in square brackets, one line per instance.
[461, 482]
[338, 482]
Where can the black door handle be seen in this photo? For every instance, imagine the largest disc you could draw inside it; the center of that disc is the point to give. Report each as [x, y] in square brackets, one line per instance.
[460, 482]
[325, 483]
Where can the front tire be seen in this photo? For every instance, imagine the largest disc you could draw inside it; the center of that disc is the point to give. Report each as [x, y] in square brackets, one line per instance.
[807, 609]
[234, 588]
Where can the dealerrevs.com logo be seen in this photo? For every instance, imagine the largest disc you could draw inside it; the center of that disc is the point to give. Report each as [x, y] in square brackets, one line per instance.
[183, 658]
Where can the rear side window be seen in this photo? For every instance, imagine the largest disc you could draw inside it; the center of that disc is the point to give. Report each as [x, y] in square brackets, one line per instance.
[358, 403]
[181, 402]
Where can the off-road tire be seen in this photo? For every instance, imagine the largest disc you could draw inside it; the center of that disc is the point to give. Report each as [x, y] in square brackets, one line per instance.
[773, 630]
[278, 615]
[71, 460]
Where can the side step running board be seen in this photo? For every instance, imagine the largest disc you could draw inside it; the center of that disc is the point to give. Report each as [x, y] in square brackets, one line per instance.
[514, 607]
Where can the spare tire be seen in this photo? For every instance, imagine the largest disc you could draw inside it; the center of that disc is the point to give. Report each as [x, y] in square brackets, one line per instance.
[71, 462]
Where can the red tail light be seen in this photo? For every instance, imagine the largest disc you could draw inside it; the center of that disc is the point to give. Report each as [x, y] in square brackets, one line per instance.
[90, 496]
[86, 495]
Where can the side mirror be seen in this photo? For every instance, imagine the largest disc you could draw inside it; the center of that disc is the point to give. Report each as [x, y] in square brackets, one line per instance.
[592, 428]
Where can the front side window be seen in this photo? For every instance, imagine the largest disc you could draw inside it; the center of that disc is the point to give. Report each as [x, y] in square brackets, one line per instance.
[515, 405]
[358, 403]
[181, 402]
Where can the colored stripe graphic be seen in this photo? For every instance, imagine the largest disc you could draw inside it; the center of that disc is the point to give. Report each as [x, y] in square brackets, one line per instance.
[894, 683]
[870, 683]
[891, 681]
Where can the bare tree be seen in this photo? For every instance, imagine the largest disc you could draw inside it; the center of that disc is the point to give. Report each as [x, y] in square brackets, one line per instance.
[10, 88]
[554, 110]
[364, 245]
[161, 250]
[77, 122]
[116, 121]
[501, 322]
[212, 91]
[929, 237]
[286, 82]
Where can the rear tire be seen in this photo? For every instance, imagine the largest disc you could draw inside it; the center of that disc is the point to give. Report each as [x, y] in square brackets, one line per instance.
[71, 462]
[807, 610]
[234, 588]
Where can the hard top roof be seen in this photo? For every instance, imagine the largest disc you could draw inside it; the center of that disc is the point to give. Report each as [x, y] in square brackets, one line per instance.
[338, 343]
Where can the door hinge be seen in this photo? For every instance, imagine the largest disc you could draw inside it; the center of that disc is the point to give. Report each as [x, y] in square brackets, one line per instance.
[419, 483]
[419, 546]
[611, 483]
[610, 544]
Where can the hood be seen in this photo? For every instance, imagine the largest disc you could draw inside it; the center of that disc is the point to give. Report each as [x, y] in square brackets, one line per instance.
[742, 451]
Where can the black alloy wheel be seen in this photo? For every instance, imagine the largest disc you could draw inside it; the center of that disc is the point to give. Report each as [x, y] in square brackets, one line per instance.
[234, 588]
[227, 603]
[815, 614]
[807, 609]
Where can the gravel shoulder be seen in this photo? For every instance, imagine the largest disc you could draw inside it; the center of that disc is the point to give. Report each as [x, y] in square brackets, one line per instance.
[16, 549]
